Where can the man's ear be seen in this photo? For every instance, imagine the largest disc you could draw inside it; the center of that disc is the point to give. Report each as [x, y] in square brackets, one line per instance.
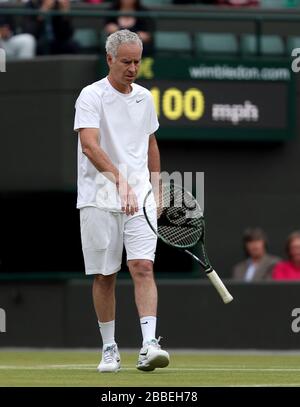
[109, 59]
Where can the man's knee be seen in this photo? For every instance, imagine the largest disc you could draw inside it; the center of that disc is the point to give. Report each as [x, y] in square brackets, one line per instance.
[105, 281]
[141, 268]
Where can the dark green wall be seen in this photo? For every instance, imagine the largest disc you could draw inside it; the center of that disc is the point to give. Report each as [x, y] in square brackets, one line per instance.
[37, 142]
[260, 317]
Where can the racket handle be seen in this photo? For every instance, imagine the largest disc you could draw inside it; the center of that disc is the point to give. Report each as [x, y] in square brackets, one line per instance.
[220, 287]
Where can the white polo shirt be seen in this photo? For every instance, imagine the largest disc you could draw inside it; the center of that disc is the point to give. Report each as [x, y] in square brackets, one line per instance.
[125, 122]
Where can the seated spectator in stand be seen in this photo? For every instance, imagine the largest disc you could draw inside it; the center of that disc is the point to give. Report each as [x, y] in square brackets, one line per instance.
[289, 270]
[233, 3]
[238, 3]
[187, 1]
[258, 264]
[19, 46]
[142, 26]
[53, 34]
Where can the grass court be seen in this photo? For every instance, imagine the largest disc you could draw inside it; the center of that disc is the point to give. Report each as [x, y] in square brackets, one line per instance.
[78, 368]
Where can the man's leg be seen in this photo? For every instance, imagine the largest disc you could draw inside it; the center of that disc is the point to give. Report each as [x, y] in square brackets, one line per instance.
[151, 355]
[145, 292]
[144, 287]
[105, 304]
[102, 251]
[104, 297]
[140, 244]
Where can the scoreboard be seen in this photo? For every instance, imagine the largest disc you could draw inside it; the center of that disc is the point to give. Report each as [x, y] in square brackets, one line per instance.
[192, 105]
[221, 100]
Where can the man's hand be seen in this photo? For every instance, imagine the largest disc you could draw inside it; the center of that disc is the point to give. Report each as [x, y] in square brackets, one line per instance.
[128, 198]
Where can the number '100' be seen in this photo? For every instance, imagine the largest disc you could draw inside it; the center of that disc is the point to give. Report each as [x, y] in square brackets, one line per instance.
[174, 103]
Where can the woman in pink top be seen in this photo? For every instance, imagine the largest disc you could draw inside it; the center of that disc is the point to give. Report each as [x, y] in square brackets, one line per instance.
[289, 270]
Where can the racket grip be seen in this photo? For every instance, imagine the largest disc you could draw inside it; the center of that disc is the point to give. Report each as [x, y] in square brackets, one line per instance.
[220, 287]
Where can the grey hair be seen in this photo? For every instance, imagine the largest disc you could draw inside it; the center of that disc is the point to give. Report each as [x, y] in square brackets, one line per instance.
[121, 37]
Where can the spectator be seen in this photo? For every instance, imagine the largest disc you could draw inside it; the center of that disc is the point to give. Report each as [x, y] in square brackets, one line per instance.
[94, 1]
[233, 3]
[289, 270]
[187, 2]
[258, 264]
[53, 34]
[142, 26]
[238, 3]
[19, 46]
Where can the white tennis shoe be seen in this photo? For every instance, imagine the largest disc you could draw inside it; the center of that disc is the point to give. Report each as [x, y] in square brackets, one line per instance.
[152, 356]
[111, 360]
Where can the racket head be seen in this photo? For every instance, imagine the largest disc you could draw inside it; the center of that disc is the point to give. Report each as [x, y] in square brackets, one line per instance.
[180, 221]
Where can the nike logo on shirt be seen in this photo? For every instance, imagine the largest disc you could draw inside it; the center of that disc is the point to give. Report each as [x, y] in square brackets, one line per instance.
[139, 100]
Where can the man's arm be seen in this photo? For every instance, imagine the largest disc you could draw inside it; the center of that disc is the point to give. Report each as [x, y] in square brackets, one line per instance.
[91, 148]
[154, 161]
[154, 169]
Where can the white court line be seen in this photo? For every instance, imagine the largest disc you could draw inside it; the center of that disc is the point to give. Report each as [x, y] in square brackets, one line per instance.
[192, 351]
[170, 369]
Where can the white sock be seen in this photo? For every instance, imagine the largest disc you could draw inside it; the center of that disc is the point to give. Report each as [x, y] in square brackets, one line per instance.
[148, 325]
[107, 331]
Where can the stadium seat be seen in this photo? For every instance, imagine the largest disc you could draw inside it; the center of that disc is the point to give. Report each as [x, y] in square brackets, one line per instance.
[270, 44]
[292, 42]
[211, 43]
[87, 38]
[149, 3]
[172, 41]
[279, 4]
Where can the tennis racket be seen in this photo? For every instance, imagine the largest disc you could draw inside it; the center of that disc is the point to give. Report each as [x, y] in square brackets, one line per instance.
[180, 224]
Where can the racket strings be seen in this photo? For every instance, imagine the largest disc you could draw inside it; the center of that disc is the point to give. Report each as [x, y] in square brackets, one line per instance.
[179, 236]
[180, 219]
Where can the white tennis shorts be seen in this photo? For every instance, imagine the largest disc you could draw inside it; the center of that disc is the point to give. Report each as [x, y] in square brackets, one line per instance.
[104, 234]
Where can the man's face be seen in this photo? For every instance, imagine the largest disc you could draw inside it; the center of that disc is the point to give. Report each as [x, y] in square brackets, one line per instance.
[255, 248]
[5, 31]
[124, 68]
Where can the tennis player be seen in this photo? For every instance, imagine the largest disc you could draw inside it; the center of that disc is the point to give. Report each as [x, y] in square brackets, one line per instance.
[117, 150]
